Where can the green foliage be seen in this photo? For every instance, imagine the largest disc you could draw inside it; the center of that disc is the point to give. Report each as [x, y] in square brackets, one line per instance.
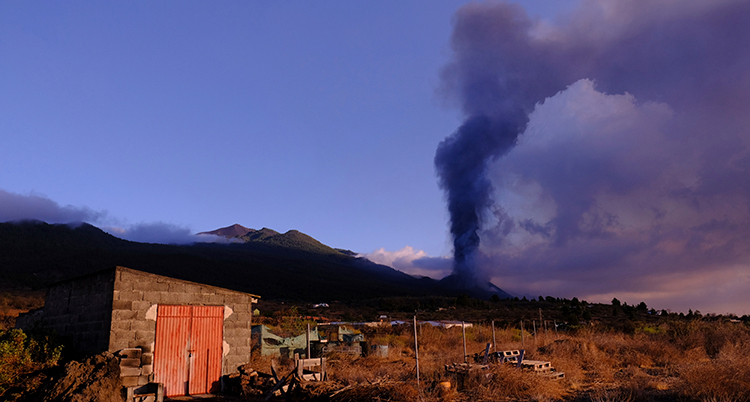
[651, 329]
[22, 355]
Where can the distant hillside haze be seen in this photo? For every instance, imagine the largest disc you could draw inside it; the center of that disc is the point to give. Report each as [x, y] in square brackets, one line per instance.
[290, 266]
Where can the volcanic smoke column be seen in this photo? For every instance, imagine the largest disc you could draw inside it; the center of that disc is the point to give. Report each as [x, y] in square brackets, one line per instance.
[499, 72]
[461, 161]
[686, 56]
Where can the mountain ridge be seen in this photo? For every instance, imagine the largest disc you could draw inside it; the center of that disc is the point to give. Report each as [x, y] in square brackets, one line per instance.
[292, 265]
[291, 238]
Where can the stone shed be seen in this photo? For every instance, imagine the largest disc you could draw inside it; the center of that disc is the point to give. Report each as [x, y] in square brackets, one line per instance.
[188, 335]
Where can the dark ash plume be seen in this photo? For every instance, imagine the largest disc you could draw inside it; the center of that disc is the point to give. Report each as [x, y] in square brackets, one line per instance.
[461, 163]
[497, 92]
[680, 69]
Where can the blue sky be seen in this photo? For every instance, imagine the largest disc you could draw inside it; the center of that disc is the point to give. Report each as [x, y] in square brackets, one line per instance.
[316, 116]
[629, 179]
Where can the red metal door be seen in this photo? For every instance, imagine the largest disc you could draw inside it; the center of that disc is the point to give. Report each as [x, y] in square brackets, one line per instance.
[171, 348]
[188, 349]
[206, 349]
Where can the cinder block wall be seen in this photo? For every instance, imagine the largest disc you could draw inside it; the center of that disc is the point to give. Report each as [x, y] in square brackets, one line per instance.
[80, 310]
[135, 301]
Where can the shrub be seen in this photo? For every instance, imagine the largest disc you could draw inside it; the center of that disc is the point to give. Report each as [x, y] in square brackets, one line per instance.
[725, 378]
[21, 356]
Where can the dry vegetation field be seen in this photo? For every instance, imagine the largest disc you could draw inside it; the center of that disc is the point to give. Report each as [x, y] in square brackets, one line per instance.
[612, 353]
[15, 302]
[688, 360]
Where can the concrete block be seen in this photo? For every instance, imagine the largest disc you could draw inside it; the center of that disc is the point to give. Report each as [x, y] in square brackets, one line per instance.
[171, 298]
[176, 287]
[205, 290]
[130, 353]
[232, 299]
[135, 343]
[130, 381]
[241, 351]
[119, 315]
[145, 336]
[193, 289]
[153, 296]
[147, 358]
[130, 371]
[142, 306]
[96, 326]
[186, 298]
[130, 362]
[150, 286]
[120, 339]
[243, 317]
[240, 308]
[125, 295]
[121, 325]
[142, 325]
[232, 332]
[130, 276]
[214, 299]
[147, 369]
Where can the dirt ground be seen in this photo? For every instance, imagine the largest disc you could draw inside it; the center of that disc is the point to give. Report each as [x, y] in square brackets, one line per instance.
[214, 398]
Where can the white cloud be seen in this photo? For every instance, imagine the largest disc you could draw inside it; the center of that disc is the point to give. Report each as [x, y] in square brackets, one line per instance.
[162, 233]
[412, 262]
[17, 207]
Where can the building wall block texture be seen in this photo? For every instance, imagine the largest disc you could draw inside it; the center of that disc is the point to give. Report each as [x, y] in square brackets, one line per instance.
[116, 309]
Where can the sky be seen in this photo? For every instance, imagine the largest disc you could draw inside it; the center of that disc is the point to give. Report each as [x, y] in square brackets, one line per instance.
[627, 178]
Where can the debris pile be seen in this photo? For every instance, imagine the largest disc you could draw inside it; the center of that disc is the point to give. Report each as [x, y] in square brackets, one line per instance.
[485, 359]
[251, 383]
[380, 389]
[95, 379]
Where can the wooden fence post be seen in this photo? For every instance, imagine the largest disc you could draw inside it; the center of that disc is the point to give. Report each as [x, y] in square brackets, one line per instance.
[416, 352]
[494, 341]
[463, 331]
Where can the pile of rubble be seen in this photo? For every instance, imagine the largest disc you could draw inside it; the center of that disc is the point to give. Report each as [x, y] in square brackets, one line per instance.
[485, 359]
[96, 378]
[251, 383]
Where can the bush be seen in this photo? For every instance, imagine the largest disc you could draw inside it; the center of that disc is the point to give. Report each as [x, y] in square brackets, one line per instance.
[22, 355]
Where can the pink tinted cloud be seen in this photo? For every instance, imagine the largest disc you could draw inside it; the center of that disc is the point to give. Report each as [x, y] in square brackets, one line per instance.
[411, 261]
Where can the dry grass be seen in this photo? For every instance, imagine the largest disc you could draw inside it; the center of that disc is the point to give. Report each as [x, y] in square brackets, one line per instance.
[686, 361]
[724, 378]
[13, 303]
